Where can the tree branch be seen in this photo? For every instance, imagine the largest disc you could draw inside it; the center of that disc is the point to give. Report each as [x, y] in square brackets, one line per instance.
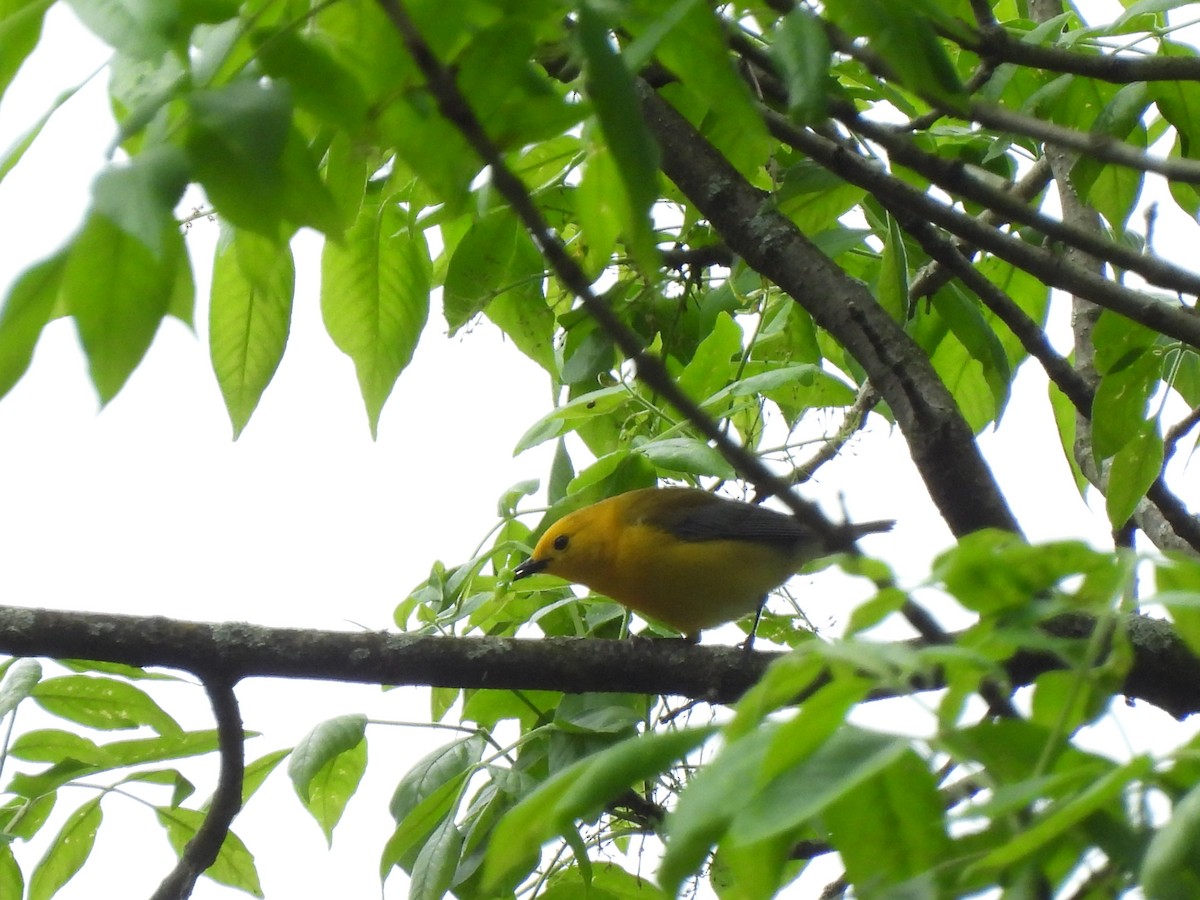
[994, 43]
[941, 442]
[1164, 672]
[1054, 270]
[1094, 144]
[953, 176]
[1166, 521]
[239, 650]
[867, 400]
[201, 851]
[650, 370]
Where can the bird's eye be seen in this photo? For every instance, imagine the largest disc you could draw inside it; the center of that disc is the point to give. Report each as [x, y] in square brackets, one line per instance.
[560, 542]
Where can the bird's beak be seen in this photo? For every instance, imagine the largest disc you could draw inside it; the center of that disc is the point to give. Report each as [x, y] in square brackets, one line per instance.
[531, 566]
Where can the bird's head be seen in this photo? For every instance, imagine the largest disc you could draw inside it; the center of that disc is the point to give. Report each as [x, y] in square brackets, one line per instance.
[575, 548]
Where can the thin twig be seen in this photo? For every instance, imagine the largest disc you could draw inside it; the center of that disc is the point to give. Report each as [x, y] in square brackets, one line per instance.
[1098, 146]
[954, 177]
[650, 370]
[994, 43]
[866, 400]
[1178, 431]
[1094, 144]
[935, 275]
[1051, 269]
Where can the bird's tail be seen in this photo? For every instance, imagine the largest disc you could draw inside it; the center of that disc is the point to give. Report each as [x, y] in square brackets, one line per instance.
[858, 529]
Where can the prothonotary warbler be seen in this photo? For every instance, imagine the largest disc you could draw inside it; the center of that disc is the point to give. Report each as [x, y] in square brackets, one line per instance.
[681, 555]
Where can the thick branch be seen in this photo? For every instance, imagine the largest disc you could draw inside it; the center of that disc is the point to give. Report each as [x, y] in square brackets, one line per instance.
[573, 665]
[1164, 672]
[1167, 509]
[940, 440]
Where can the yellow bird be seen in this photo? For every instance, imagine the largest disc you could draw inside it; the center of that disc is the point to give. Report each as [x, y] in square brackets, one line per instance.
[680, 555]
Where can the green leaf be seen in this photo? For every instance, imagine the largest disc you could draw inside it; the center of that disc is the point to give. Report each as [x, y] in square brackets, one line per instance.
[571, 415]
[435, 865]
[578, 792]
[714, 363]
[1114, 190]
[694, 49]
[1065, 418]
[433, 771]
[978, 337]
[52, 745]
[320, 83]
[890, 828]
[801, 50]
[22, 817]
[902, 33]
[607, 881]
[375, 298]
[323, 744]
[67, 852]
[1179, 101]
[992, 571]
[330, 788]
[236, 142]
[249, 317]
[118, 291]
[687, 456]
[156, 749]
[12, 882]
[234, 865]
[598, 212]
[423, 819]
[139, 197]
[600, 713]
[16, 152]
[610, 88]
[19, 681]
[1119, 408]
[119, 670]
[181, 788]
[813, 197]
[140, 30]
[797, 794]
[1119, 342]
[530, 326]
[434, 149]
[495, 257]
[704, 810]
[20, 28]
[1170, 868]
[103, 703]
[258, 770]
[49, 780]
[1135, 467]
[1060, 818]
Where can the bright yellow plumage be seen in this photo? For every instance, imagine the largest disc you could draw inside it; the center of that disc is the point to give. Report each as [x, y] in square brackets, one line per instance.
[681, 556]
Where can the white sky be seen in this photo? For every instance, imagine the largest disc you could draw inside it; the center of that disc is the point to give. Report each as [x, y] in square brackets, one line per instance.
[149, 507]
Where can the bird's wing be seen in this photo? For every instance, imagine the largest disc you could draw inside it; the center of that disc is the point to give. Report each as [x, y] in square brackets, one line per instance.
[696, 516]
